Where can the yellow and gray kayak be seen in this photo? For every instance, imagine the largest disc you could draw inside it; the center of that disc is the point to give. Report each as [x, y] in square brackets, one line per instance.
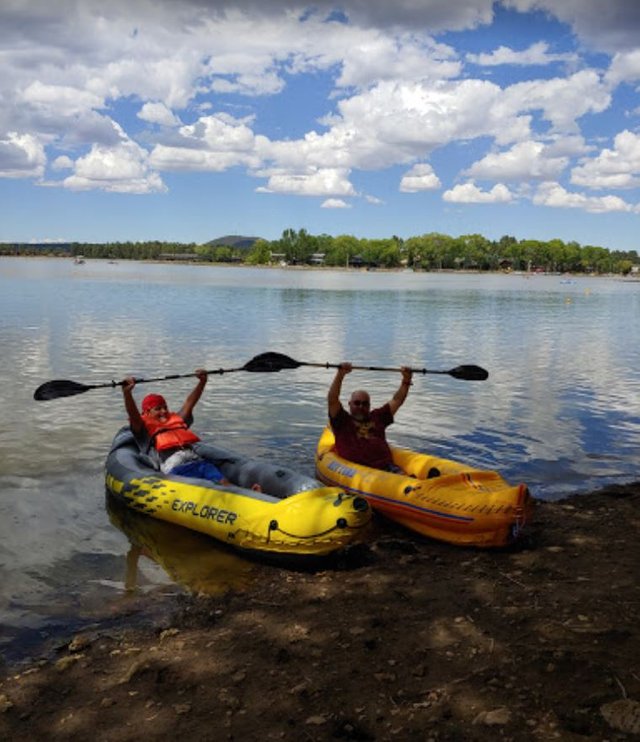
[292, 515]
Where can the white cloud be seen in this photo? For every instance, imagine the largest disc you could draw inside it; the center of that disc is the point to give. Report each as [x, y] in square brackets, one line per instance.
[420, 178]
[400, 122]
[63, 98]
[612, 168]
[524, 161]
[220, 131]
[335, 203]
[536, 54]
[214, 143]
[21, 156]
[566, 145]
[554, 195]
[158, 113]
[62, 163]
[369, 57]
[625, 67]
[469, 193]
[562, 101]
[121, 169]
[183, 159]
[318, 182]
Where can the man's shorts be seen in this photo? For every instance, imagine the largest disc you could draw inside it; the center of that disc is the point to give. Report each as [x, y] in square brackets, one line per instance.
[199, 469]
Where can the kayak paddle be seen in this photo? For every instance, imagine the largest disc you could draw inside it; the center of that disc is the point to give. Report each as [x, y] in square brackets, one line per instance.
[264, 363]
[279, 362]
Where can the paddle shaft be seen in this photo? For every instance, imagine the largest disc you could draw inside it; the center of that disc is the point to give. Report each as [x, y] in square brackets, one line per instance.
[169, 377]
[372, 368]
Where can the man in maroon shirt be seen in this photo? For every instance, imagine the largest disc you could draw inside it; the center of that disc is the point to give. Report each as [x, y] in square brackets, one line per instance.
[360, 433]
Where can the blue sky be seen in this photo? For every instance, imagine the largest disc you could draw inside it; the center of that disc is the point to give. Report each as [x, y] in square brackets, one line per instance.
[186, 120]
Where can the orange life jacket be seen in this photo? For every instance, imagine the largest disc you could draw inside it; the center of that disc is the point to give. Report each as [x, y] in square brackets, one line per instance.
[172, 433]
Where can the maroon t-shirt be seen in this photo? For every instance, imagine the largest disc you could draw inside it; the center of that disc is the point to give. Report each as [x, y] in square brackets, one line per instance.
[364, 442]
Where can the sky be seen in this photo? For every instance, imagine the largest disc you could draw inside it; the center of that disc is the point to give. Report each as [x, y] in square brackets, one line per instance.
[186, 120]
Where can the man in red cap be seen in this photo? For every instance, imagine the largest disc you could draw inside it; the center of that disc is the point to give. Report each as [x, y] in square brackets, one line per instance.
[169, 432]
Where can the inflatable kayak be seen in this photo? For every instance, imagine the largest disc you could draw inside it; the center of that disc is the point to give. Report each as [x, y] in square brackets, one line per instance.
[292, 516]
[439, 498]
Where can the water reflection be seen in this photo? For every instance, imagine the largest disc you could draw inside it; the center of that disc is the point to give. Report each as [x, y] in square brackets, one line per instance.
[188, 558]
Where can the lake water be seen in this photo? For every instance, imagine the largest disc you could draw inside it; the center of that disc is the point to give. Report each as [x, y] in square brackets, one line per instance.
[560, 410]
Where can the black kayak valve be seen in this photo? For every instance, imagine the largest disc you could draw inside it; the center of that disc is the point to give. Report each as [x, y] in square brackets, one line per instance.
[360, 504]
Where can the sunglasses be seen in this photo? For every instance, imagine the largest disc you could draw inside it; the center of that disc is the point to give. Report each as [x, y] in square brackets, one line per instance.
[360, 402]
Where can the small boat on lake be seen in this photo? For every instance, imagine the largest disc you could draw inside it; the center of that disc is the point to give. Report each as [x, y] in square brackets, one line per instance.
[288, 514]
[439, 498]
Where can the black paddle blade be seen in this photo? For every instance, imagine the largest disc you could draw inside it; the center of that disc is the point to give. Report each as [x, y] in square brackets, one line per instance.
[59, 388]
[270, 362]
[469, 373]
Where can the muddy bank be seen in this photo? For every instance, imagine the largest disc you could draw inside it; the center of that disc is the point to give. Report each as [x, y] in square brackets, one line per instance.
[408, 640]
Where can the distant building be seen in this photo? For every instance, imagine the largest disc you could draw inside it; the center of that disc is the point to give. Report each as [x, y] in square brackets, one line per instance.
[278, 258]
[357, 261]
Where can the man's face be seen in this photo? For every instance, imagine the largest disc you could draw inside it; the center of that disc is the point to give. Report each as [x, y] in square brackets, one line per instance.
[159, 412]
[359, 405]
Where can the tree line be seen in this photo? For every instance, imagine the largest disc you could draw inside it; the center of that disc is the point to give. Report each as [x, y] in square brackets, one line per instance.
[429, 252]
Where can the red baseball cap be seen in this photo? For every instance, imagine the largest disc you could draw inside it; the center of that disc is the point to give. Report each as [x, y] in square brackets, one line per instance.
[151, 401]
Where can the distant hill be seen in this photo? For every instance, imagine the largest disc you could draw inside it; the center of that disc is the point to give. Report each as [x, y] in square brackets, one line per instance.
[234, 240]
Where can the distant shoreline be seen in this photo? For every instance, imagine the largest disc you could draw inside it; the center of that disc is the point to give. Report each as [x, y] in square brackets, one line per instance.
[334, 268]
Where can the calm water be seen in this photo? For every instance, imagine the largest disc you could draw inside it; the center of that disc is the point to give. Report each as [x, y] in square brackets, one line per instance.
[560, 410]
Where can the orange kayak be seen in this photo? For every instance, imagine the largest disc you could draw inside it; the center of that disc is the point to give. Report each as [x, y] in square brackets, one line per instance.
[439, 498]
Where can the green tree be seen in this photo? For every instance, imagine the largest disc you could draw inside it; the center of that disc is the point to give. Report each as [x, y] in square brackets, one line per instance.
[260, 253]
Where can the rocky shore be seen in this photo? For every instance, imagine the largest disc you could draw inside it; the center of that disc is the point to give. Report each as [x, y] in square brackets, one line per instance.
[406, 639]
